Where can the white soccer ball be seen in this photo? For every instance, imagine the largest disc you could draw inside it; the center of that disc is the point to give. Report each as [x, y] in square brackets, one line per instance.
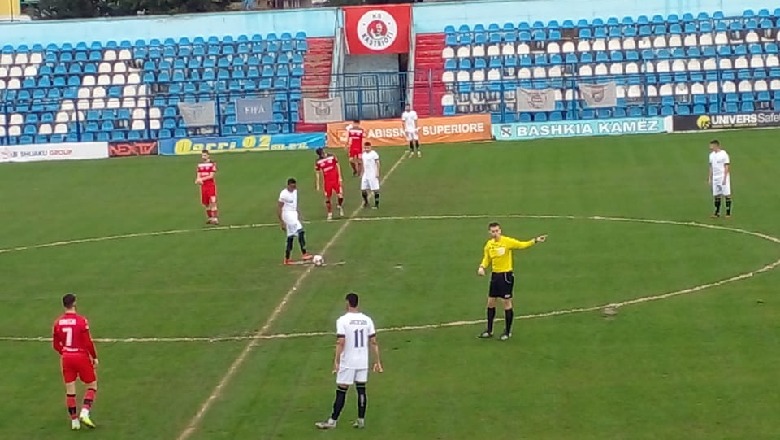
[318, 260]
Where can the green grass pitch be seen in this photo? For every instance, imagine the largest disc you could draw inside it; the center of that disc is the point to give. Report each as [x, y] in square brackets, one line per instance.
[701, 364]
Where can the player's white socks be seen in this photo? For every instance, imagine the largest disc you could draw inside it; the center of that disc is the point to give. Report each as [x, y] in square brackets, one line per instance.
[84, 412]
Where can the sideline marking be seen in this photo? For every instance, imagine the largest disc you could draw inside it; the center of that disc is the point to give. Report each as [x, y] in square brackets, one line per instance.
[260, 336]
[192, 426]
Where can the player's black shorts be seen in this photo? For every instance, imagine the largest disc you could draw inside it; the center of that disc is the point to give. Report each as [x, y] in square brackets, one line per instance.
[501, 285]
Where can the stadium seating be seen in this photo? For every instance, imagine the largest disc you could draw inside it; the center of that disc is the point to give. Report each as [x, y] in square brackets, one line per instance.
[689, 64]
[125, 91]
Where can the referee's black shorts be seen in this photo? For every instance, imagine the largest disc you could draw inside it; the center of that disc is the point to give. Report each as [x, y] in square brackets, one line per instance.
[501, 285]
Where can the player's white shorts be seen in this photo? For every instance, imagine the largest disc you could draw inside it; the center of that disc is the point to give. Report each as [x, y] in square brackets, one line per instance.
[348, 376]
[369, 183]
[719, 189]
[411, 135]
[291, 223]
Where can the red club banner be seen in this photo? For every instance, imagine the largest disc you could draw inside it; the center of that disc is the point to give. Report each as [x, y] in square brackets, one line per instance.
[377, 29]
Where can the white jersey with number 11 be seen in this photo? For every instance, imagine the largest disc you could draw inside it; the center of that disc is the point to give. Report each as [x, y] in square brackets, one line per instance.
[356, 328]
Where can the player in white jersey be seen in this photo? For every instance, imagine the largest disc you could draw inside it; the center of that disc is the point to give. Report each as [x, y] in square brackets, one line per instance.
[290, 220]
[355, 331]
[720, 177]
[369, 181]
[409, 118]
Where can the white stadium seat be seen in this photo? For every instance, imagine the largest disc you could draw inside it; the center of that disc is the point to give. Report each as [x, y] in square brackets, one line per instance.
[632, 68]
[523, 49]
[652, 91]
[125, 54]
[620, 91]
[675, 41]
[724, 64]
[21, 59]
[666, 90]
[15, 130]
[697, 89]
[706, 40]
[139, 113]
[659, 41]
[36, 58]
[84, 93]
[104, 68]
[568, 47]
[694, 65]
[478, 51]
[15, 72]
[118, 80]
[2, 84]
[154, 124]
[154, 113]
[109, 55]
[98, 104]
[524, 73]
[616, 69]
[721, 39]
[691, 40]
[555, 72]
[134, 78]
[31, 71]
[104, 80]
[710, 64]
[508, 49]
[478, 76]
[138, 125]
[98, 92]
[62, 117]
[494, 50]
[681, 89]
[599, 45]
[463, 76]
[60, 129]
[745, 86]
[760, 86]
[2, 131]
[728, 87]
[586, 70]
[112, 103]
[775, 84]
[772, 61]
[88, 81]
[83, 104]
[663, 67]
[44, 129]
[553, 47]
[539, 72]
[6, 59]
[463, 52]
[583, 46]
[67, 106]
[752, 37]
[629, 44]
[128, 103]
[757, 62]
[741, 63]
[13, 84]
[615, 44]
[448, 53]
[679, 66]
[494, 75]
[447, 99]
[16, 119]
[712, 87]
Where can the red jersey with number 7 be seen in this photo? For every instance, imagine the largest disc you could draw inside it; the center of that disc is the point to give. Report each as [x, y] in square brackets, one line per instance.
[71, 336]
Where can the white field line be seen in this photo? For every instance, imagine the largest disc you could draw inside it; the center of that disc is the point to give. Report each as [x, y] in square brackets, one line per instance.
[193, 424]
[635, 301]
[262, 336]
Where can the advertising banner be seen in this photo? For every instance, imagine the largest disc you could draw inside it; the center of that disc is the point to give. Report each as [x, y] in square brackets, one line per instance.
[255, 110]
[132, 148]
[234, 144]
[62, 151]
[720, 122]
[377, 29]
[541, 130]
[389, 132]
[599, 95]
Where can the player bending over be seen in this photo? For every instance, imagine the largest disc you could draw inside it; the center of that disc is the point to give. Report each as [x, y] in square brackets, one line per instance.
[355, 331]
[355, 136]
[497, 255]
[328, 166]
[409, 118]
[78, 358]
[719, 177]
[289, 218]
[370, 178]
[206, 178]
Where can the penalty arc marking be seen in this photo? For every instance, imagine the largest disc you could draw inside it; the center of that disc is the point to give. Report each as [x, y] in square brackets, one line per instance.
[562, 312]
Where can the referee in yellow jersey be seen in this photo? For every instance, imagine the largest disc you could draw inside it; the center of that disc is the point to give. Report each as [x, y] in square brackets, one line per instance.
[498, 256]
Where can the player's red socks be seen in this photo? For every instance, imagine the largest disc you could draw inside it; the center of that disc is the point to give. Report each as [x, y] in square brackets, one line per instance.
[89, 397]
[208, 213]
[329, 206]
[70, 402]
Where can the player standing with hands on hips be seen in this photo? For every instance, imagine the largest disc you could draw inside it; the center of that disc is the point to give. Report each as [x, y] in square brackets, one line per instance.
[409, 118]
[720, 177]
[355, 332]
[497, 255]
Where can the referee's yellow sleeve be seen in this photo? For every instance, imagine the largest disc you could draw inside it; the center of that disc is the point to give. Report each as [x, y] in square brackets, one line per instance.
[517, 244]
[485, 257]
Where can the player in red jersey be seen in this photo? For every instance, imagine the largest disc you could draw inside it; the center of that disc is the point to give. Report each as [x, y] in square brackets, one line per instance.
[328, 166]
[355, 136]
[71, 339]
[206, 178]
